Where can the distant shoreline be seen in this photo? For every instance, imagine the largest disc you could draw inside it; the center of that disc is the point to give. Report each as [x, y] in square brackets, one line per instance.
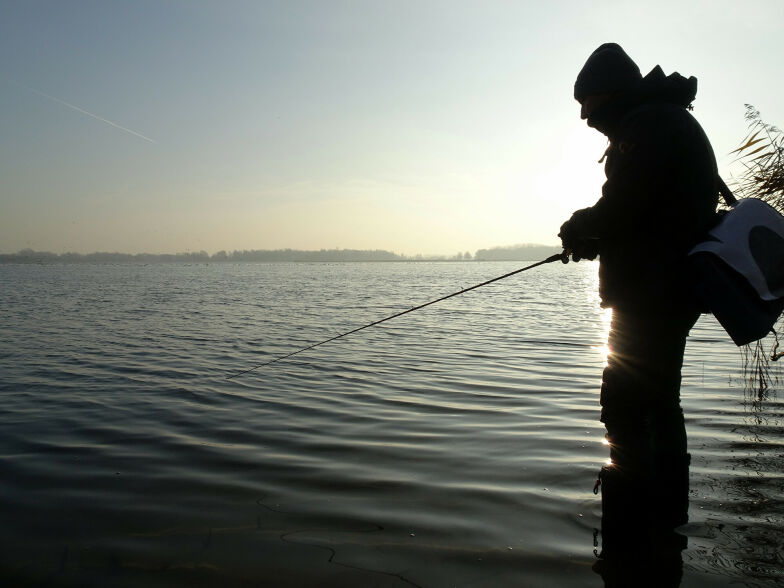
[525, 252]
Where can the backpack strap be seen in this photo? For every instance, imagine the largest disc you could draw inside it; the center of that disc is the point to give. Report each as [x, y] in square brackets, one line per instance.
[726, 193]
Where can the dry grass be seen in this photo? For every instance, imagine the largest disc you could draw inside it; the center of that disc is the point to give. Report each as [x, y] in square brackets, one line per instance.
[762, 155]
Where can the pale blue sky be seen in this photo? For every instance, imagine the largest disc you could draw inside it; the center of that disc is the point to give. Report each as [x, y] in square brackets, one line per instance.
[418, 127]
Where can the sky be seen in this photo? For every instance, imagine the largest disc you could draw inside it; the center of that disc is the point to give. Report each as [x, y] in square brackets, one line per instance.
[430, 127]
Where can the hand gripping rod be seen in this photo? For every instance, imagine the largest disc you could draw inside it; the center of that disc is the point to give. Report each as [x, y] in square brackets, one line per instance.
[557, 257]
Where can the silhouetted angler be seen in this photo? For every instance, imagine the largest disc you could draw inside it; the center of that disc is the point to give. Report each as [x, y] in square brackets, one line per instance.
[659, 199]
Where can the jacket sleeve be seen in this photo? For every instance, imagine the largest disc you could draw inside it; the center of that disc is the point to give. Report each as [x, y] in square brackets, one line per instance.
[641, 171]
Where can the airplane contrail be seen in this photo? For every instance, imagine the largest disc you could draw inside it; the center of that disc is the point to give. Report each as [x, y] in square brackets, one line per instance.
[77, 109]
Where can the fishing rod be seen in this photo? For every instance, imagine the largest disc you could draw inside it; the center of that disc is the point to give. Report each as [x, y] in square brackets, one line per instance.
[563, 257]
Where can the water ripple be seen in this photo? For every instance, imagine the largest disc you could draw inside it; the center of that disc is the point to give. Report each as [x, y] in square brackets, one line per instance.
[454, 446]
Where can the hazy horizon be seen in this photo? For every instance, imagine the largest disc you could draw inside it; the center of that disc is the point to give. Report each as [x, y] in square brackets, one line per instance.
[539, 249]
[411, 127]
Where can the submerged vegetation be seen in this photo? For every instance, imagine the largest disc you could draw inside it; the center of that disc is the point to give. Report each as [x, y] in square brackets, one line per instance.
[762, 156]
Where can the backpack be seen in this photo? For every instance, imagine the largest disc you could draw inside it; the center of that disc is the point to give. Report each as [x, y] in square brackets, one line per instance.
[738, 269]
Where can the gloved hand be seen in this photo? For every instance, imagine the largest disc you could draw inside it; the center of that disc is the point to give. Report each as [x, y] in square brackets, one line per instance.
[575, 237]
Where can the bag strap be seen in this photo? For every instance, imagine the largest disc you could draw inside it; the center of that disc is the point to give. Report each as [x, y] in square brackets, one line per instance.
[725, 192]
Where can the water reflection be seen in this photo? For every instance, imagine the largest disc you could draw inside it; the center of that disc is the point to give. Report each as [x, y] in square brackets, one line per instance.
[742, 503]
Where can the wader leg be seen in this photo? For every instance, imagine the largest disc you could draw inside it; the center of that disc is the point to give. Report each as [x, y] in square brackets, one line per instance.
[646, 486]
[671, 467]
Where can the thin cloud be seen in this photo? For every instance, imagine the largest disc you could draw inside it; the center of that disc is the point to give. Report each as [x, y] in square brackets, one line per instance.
[77, 109]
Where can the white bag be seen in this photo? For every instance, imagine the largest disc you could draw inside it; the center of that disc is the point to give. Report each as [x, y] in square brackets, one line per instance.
[740, 269]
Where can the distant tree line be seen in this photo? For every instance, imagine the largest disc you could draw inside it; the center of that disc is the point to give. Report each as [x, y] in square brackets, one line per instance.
[524, 252]
[517, 252]
[31, 256]
[300, 255]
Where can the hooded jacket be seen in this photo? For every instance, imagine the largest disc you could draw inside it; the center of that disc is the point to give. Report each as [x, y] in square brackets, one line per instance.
[659, 199]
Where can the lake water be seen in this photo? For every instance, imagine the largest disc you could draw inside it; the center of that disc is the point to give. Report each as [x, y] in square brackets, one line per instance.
[454, 446]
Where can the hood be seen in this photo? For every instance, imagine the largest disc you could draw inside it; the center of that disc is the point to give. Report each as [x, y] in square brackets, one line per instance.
[654, 88]
[608, 70]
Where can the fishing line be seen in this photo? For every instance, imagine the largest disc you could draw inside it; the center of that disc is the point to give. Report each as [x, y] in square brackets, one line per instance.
[557, 257]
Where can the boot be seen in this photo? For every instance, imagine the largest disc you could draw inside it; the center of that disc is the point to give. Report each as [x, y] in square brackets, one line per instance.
[625, 513]
[671, 507]
[635, 550]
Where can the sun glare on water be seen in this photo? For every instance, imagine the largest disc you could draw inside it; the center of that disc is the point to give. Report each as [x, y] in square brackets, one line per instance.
[605, 318]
